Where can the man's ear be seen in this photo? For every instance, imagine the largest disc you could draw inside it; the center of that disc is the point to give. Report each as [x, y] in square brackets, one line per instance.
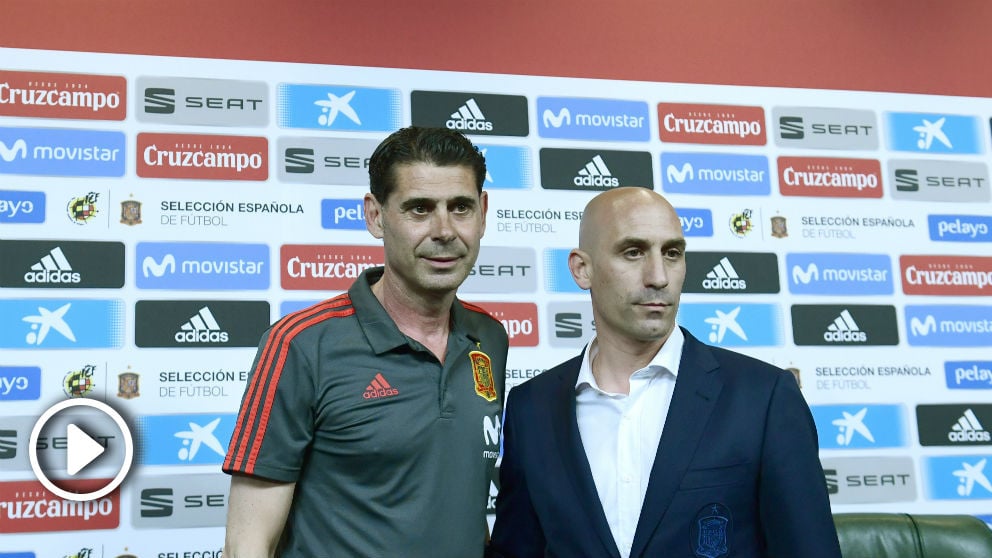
[581, 268]
[373, 215]
[484, 200]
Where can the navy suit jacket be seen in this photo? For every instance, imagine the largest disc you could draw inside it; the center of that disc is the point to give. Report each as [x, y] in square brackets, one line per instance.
[737, 473]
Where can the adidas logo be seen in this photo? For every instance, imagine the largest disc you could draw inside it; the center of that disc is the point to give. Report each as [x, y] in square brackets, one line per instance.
[724, 276]
[379, 387]
[596, 173]
[201, 328]
[968, 429]
[469, 117]
[53, 268]
[845, 329]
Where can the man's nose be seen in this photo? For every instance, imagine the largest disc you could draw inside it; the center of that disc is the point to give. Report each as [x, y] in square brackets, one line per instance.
[655, 273]
[441, 225]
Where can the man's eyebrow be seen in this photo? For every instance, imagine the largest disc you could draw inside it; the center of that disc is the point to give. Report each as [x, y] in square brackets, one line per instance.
[674, 243]
[415, 202]
[431, 202]
[637, 242]
[631, 241]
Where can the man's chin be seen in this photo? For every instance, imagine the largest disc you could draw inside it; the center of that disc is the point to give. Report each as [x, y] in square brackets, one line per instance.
[654, 331]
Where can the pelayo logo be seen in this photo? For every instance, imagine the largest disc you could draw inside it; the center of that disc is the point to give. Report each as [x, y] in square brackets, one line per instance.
[21, 206]
[968, 374]
[960, 228]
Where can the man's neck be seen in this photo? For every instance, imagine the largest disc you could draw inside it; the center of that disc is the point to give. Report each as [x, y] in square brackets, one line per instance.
[423, 318]
[617, 358]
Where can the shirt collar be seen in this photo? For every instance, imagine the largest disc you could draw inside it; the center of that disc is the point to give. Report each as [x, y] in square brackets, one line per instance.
[667, 358]
[380, 330]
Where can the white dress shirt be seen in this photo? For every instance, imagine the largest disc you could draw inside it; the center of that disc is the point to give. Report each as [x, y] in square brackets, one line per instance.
[620, 433]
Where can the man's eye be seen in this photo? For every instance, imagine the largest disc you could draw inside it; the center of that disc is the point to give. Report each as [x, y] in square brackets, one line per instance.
[673, 254]
[633, 252]
[419, 209]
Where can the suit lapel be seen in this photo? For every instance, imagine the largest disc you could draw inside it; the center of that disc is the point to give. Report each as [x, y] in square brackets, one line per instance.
[695, 396]
[565, 430]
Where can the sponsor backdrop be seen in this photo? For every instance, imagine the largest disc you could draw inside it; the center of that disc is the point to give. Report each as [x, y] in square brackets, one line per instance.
[157, 214]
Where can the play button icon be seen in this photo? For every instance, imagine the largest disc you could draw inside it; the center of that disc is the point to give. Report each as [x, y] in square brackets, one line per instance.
[75, 436]
[81, 450]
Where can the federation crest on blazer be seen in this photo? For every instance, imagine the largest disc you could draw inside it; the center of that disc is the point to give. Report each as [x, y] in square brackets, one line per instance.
[710, 531]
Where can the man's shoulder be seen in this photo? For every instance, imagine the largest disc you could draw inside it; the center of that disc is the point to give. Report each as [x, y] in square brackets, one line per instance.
[478, 317]
[553, 377]
[732, 363]
[317, 317]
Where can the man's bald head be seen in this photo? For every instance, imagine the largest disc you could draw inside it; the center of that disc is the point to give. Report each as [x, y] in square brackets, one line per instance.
[609, 209]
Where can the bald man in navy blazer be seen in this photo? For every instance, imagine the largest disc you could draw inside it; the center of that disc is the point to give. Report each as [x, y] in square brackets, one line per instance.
[651, 443]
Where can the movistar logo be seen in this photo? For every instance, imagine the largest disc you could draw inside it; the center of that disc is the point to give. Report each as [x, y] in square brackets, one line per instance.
[811, 273]
[151, 267]
[925, 327]
[556, 121]
[676, 174]
[10, 153]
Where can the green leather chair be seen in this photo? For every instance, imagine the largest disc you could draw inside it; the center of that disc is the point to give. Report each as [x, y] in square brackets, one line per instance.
[900, 535]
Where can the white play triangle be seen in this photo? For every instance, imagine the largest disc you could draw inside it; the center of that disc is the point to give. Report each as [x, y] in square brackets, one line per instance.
[81, 450]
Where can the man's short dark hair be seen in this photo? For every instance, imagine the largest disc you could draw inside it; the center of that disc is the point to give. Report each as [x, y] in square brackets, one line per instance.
[438, 146]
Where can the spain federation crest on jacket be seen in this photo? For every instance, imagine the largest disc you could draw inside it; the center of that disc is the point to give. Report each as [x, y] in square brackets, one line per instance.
[482, 373]
[710, 531]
